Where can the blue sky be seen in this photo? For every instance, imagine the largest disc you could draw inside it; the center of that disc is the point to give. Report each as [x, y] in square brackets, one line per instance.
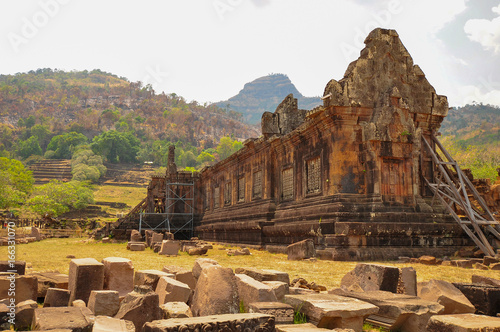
[206, 50]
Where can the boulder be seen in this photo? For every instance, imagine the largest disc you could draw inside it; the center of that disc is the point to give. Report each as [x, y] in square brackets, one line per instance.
[150, 277]
[48, 280]
[57, 297]
[72, 318]
[24, 314]
[282, 312]
[371, 277]
[216, 292]
[463, 323]
[176, 310]
[118, 275]
[485, 298]
[170, 248]
[229, 323]
[200, 264]
[444, 293]
[301, 250]
[140, 306]
[251, 290]
[279, 288]
[197, 251]
[396, 311]
[171, 290]
[26, 287]
[332, 311]
[485, 280]
[109, 324]
[104, 302]
[85, 275]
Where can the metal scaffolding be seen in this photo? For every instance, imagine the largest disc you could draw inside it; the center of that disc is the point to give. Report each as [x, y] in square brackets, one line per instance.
[452, 187]
[178, 217]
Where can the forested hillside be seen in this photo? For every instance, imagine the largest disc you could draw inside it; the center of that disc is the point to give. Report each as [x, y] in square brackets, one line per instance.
[47, 112]
[472, 135]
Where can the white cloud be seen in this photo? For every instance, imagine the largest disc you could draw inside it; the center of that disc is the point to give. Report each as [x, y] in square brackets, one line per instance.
[485, 32]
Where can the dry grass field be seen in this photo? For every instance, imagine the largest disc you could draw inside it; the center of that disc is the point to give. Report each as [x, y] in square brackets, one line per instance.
[50, 255]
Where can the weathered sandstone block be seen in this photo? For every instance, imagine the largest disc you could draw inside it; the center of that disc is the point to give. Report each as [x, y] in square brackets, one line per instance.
[118, 275]
[71, 318]
[24, 314]
[485, 298]
[485, 280]
[170, 247]
[109, 324]
[48, 280]
[176, 310]
[171, 290]
[150, 277]
[444, 293]
[301, 250]
[57, 297]
[19, 267]
[251, 290]
[181, 274]
[104, 302]
[137, 246]
[216, 292]
[282, 312]
[26, 287]
[140, 306]
[370, 277]
[200, 264]
[85, 275]
[463, 323]
[279, 288]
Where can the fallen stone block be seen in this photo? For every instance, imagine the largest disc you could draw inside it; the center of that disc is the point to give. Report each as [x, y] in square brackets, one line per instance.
[427, 260]
[150, 277]
[157, 238]
[19, 267]
[307, 327]
[257, 274]
[137, 246]
[229, 323]
[109, 324]
[170, 248]
[485, 280]
[200, 264]
[238, 252]
[24, 314]
[181, 274]
[104, 302]
[131, 243]
[216, 292]
[278, 276]
[464, 263]
[118, 275]
[480, 266]
[198, 251]
[78, 304]
[25, 286]
[332, 311]
[171, 290]
[279, 288]
[48, 280]
[396, 311]
[408, 278]
[463, 323]
[35, 232]
[57, 297]
[444, 293]
[485, 298]
[371, 277]
[251, 290]
[135, 236]
[300, 291]
[72, 318]
[495, 267]
[5, 316]
[301, 250]
[488, 260]
[140, 306]
[282, 312]
[176, 310]
[85, 275]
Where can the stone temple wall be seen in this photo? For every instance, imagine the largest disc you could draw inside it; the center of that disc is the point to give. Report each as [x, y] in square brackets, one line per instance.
[346, 174]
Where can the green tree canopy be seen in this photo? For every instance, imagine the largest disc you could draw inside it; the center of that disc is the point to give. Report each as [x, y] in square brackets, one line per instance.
[62, 144]
[116, 146]
[227, 146]
[28, 148]
[16, 183]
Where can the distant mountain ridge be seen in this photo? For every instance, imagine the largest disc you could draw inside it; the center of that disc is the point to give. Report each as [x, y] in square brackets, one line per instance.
[263, 95]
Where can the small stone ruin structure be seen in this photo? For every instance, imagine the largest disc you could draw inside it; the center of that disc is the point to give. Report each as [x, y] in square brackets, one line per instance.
[348, 174]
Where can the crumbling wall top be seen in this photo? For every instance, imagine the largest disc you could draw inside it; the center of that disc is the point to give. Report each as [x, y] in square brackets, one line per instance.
[285, 119]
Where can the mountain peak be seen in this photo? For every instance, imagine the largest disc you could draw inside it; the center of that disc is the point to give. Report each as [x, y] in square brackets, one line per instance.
[264, 94]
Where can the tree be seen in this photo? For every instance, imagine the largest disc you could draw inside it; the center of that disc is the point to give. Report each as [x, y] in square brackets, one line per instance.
[227, 147]
[28, 148]
[116, 146]
[85, 165]
[16, 183]
[42, 133]
[56, 197]
[62, 144]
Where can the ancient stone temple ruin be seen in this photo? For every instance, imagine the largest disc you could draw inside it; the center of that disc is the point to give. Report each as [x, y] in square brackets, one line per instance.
[350, 175]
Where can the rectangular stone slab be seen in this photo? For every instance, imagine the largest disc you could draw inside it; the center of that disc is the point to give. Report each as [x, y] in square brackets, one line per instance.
[229, 323]
[72, 318]
[282, 312]
[332, 311]
[85, 275]
[463, 323]
[308, 327]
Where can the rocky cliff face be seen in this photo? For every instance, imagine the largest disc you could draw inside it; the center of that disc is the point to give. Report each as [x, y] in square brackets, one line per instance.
[264, 95]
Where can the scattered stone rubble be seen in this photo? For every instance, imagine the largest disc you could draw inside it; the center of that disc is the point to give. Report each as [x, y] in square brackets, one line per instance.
[111, 296]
